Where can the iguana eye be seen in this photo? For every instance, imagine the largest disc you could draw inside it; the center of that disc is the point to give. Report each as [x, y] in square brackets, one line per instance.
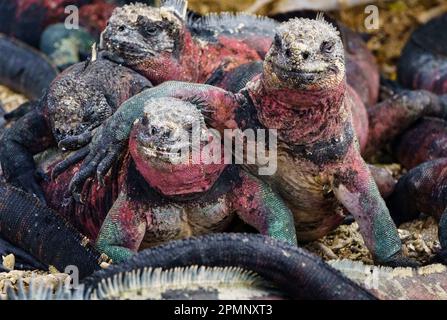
[150, 31]
[277, 41]
[327, 47]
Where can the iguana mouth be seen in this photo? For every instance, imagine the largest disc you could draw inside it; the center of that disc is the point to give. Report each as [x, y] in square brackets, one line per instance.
[304, 75]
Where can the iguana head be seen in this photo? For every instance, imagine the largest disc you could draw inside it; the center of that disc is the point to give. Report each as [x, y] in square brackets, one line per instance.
[146, 39]
[163, 145]
[305, 54]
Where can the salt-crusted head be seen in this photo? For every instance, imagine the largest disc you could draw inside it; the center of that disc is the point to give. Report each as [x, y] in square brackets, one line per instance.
[159, 145]
[146, 38]
[305, 54]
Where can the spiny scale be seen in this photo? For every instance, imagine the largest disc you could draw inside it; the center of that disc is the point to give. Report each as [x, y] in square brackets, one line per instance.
[156, 283]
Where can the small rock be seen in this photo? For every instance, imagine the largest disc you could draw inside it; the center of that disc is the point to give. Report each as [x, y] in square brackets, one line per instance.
[9, 261]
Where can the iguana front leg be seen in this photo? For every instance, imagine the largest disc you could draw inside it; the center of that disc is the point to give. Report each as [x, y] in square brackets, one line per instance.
[259, 206]
[30, 135]
[110, 140]
[122, 230]
[355, 188]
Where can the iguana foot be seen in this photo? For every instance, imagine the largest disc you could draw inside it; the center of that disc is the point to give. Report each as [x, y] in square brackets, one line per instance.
[75, 142]
[399, 260]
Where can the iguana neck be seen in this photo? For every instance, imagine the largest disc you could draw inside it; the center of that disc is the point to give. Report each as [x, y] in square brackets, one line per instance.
[177, 65]
[204, 59]
[189, 57]
[302, 117]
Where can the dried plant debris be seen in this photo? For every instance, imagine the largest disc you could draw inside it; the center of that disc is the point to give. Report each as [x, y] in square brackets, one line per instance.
[419, 241]
[11, 279]
[9, 99]
[345, 242]
[420, 238]
[397, 19]
[9, 262]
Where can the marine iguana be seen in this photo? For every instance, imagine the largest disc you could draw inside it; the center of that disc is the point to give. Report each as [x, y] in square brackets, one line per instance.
[151, 198]
[24, 69]
[164, 44]
[424, 141]
[76, 102]
[423, 62]
[292, 271]
[176, 40]
[29, 224]
[303, 94]
[421, 189]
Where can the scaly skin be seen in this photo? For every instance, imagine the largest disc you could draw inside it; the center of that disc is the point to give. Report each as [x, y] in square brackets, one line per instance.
[424, 283]
[423, 64]
[422, 189]
[78, 100]
[362, 69]
[162, 45]
[426, 140]
[302, 94]
[24, 69]
[148, 200]
[41, 232]
[292, 269]
[229, 265]
[393, 116]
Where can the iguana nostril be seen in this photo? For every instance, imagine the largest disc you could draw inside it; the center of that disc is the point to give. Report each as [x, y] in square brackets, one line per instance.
[305, 55]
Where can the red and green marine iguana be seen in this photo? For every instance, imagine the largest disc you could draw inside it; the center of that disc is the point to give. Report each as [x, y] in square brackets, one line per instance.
[302, 93]
[150, 198]
[222, 258]
[294, 272]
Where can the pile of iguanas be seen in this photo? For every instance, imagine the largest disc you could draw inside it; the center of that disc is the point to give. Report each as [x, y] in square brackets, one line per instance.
[161, 72]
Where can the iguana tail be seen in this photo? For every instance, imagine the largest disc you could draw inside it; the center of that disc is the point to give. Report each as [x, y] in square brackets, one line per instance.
[24, 69]
[423, 283]
[293, 270]
[27, 223]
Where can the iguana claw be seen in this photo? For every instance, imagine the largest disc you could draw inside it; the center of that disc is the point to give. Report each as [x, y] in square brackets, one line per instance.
[75, 142]
[399, 260]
